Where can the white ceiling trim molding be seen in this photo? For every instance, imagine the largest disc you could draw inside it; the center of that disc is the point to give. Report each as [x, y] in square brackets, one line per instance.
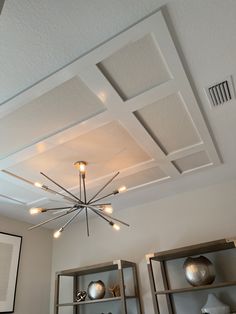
[57, 139]
[139, 79]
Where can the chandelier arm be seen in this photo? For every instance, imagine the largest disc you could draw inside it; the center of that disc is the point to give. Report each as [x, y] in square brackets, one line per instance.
[68, 192]
[56, 208]
[102, 204]
[78, 206]
[45, 188]
[101, 198]
[97, 213]
[60, 211]
[51, 219]
[113, 218]
[103, 187]
[87, 222]
[71, 219]
[16, 176]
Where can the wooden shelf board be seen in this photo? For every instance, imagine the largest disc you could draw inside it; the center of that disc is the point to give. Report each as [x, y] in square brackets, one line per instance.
[192, 250]
[94, 301]
[192, 289]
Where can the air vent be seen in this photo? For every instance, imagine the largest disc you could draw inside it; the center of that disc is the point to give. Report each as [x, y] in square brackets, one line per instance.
[220, 93]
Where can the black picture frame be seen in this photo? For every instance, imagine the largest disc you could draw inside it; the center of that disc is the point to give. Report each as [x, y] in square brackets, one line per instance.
[10, 251]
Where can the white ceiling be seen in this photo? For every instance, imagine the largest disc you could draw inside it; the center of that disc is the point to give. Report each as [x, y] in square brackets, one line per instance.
[138, 116]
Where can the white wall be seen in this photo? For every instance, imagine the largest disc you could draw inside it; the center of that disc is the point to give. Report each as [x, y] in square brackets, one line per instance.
[33, 286]
[192, 217]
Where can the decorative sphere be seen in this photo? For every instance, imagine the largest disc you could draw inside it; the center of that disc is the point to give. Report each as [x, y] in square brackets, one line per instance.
[96, 290]
[199, 271]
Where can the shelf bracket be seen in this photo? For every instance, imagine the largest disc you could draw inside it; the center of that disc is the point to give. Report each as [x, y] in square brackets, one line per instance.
[148, 257]
[231, 240]
[118, 263]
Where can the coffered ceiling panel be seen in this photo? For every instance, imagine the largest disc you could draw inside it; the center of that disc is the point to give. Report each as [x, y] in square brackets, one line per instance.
[136, 67]
[169, 123]
[193, 161]
[63, 106]
[140, 178]
[133, 180]
[107, 149]
[126, 106]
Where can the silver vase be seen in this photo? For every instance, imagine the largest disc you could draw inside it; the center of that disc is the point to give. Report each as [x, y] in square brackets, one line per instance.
[96, 290]
[199, 271]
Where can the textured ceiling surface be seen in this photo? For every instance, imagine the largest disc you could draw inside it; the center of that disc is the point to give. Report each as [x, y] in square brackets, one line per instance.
[39, 37]
[166, 144]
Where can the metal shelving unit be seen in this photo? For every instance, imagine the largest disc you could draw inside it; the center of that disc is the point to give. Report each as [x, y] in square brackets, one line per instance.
[163, 257]
[118, 265]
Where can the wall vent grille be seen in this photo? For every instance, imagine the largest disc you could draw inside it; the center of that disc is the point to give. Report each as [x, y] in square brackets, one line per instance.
[221, 93]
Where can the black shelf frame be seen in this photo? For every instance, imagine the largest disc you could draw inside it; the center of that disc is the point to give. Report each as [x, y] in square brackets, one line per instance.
[163, 257]
[118, 265]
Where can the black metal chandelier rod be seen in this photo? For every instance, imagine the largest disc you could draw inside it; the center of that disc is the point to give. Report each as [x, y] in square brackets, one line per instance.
[43, 187]
[46, 188]
[54, 208]
[100, 215]
[80, 203]
[52, 219]
[60, 186]
[104, 186]
[101, 198]
[82, 175]
[71, 219]
[107, 215]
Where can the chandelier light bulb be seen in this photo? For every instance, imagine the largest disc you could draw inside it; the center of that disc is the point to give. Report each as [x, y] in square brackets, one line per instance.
[122, 189]
[116, 227]
[57, 233]
[38, 184]
[78, 202]
[35, 210]
[108, 209]
[81, 166]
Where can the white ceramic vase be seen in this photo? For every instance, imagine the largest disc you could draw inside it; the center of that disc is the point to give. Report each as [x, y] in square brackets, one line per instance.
[215, 306]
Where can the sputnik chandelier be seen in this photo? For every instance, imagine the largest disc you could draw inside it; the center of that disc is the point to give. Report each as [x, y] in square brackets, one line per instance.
[80, 204]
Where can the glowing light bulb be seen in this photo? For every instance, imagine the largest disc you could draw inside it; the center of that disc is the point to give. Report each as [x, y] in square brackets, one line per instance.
[81, 166]
[116, 227]
[122, 189]
[38, 184]
[108, 209]
[35, 210]
[57, 233]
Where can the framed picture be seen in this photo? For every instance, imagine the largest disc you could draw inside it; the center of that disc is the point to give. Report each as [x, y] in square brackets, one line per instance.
[10, 248]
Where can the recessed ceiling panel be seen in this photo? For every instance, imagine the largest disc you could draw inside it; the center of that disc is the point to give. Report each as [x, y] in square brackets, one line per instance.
[169, 123]
[63, 106]
[140, 178]
[106, 149]
[134, 180]
[135, 68]
[192, 161]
